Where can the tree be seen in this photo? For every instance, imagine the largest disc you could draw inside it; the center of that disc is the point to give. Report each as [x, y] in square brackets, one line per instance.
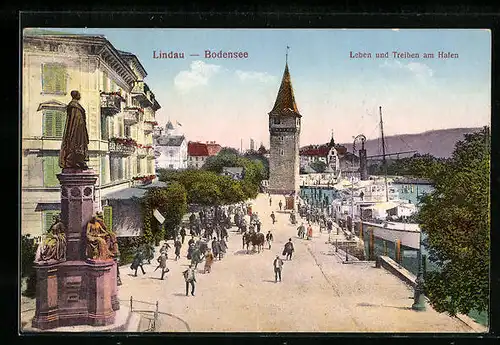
[318, 166]
[171, 202]
[455, 216]
[227, 157]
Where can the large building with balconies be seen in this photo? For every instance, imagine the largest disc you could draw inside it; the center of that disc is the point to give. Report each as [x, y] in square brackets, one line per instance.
[120, 110]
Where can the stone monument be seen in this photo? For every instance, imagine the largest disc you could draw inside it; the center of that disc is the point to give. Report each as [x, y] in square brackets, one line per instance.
[76, 285]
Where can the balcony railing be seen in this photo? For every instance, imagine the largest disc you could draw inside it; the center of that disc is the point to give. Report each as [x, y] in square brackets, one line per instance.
[148, 127]
[111, 103]
[120, 149]
[142, 152]
[131, 116]
[142, 93]
[151, 153]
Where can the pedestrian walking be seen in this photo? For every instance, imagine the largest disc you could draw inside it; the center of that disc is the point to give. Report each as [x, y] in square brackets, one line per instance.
[288, 251]
[177, 246]
[223, 247]
[278, 266]
[269, 238]
[195, 257]
[273, 217]
[138, 262]
[280, 205]
[309, 232]
[216, 248]
[209, 259]
[162, 263]
[191, 240]
[183, 234]
[190, 278]
[258, 224]
[270, 201]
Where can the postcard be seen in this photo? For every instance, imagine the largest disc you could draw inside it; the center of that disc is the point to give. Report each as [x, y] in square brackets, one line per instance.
[255, 180]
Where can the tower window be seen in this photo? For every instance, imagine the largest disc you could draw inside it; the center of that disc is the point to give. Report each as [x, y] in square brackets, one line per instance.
[277, 121]
[282, 139]
[282, 152]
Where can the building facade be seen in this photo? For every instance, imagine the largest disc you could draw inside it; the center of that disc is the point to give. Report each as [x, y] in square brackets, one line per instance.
[284, 132]
[171, 149]
[120, 113]
[198, 153]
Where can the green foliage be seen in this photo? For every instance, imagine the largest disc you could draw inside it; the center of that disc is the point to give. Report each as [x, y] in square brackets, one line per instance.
[171, 202]
[259, 157]
[227, 157]
[28, 252]
[456, 218]
[424, 166]
[128, 248]
[318, 166]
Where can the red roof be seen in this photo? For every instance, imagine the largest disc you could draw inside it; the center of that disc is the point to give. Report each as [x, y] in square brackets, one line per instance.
[197, 149]
[213, 149]
[318, 150]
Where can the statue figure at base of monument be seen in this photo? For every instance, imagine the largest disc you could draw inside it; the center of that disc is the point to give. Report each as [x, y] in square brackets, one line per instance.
[101, 242]
[74, 147]
[53, 245]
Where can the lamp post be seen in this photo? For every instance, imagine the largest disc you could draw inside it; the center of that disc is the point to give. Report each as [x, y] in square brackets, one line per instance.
[418, 297]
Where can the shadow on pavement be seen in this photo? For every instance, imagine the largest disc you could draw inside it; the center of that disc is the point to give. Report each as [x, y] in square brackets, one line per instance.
[268, 281]
[178, 294]
[243, 252]
[364, 304]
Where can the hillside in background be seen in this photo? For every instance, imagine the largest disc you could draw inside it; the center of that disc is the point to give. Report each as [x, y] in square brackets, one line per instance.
[439, 143]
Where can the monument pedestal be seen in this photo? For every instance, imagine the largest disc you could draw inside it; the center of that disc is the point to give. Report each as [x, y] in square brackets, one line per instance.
[76, 291]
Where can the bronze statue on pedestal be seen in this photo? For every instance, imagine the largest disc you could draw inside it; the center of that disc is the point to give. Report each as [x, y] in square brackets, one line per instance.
[74, 147]
[53, 245]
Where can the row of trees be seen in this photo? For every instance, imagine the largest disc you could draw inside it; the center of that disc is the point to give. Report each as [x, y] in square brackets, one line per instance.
[205, 187]
[456, 218]
[418, 165]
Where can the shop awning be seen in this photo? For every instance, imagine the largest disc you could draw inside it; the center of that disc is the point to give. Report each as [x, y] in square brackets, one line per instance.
[383, 206]
[134, 192]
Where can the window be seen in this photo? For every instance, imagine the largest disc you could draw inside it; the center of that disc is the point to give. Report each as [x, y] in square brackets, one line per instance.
[105, 80]
[104, 178]
[104, 127]
[50, 169]
[48, 219]
[120, 129]
[171, 166]
[120, 168]
[282, 152]
[111, 130]
[171, 153]
[53, 78]
[138, 165]
[108, 217]
[282, 139]
[128, 131]
[298, 121]
[53, 123]
[277, 121]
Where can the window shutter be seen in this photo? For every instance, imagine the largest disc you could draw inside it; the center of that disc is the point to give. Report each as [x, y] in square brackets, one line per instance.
[108, 217]
[103, 170]
[60, 78]
[111, 131]
[47, 78]
[48, 219]
[48, 129]
[50, 170]
[60, 122]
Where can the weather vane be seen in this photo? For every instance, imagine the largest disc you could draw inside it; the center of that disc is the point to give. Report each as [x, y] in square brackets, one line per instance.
[287, 49]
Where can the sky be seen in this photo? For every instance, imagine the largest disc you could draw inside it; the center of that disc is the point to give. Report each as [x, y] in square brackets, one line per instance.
[228, 100]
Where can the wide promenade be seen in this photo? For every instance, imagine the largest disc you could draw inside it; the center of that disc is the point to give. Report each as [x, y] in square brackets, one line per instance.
[318, 293]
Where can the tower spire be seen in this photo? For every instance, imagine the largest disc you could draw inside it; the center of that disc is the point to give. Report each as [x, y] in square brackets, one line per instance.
[286, 56]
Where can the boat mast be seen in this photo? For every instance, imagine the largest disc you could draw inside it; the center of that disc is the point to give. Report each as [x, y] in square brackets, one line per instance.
[384, 161]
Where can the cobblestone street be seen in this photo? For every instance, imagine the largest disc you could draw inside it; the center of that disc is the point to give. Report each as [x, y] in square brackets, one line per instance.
[318, 292]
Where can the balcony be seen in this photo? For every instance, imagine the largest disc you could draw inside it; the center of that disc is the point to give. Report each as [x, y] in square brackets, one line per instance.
[142, 93]
[131, 116]
[148, 127]
[151, 153]
[111, 103]
[120, 149]
[142, 152]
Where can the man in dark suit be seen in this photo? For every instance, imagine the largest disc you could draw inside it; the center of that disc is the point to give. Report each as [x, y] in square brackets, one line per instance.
[278, 266]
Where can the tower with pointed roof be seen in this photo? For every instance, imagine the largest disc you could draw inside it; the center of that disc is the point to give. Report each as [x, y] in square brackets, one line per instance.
[284, 131]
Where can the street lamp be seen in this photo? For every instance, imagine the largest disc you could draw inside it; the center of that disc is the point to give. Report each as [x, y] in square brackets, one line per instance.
[418, 297]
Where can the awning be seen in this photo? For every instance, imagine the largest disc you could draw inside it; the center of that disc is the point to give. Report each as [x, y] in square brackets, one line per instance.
[48, 206]
[134, 192]
[382, 206]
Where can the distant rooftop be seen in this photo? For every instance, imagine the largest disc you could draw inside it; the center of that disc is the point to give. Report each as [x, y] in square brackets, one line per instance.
[36, 31]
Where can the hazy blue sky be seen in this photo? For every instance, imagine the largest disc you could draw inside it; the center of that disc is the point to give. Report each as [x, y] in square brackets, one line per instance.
[228, 100]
